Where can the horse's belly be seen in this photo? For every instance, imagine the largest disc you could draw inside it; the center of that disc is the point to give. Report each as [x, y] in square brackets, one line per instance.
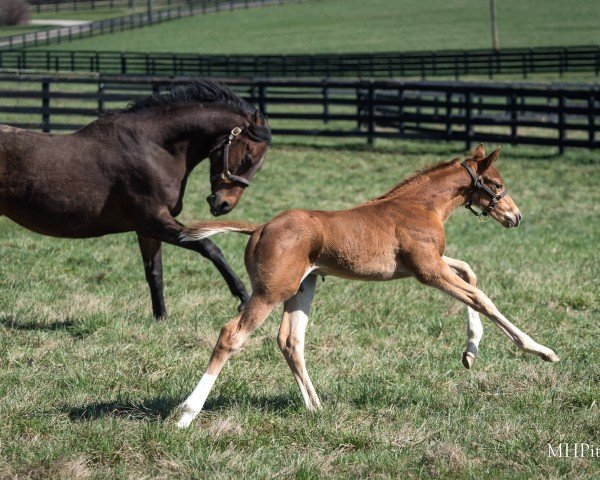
[80, 223]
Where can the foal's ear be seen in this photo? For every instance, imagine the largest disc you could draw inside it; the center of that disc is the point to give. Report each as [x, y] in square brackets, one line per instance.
[485, 163]
[479, 152]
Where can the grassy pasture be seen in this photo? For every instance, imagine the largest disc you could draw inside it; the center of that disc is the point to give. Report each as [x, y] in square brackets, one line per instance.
[359, 26]
[88, 381]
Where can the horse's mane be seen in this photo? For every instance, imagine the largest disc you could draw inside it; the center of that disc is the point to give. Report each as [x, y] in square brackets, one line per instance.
[414, 178]
[204, 91]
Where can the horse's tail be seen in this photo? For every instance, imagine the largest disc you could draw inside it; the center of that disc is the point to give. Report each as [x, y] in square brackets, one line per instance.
[207, 229]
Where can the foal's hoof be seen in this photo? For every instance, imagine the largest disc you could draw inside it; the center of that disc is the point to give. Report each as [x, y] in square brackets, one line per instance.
[467, 359]
[550, 356]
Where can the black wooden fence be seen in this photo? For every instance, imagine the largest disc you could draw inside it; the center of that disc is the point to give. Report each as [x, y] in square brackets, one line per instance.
[75, 5]
[128, 22]
[450, 63]
[561, 115]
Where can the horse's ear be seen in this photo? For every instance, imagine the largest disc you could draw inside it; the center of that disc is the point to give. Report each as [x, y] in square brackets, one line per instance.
[485, 163]
[479, 152]
[256, 117]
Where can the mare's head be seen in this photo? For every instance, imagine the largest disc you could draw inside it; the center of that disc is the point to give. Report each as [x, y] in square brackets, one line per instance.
[234, 160]
[207, 118]
[488, 190]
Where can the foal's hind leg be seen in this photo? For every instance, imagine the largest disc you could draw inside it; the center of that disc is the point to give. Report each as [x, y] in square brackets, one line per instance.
[152, 257]
[446, 280]
[474, 326]
[291, 339]
[231, 339]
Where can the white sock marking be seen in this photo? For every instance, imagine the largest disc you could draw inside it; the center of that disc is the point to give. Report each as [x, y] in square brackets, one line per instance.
[194, 403]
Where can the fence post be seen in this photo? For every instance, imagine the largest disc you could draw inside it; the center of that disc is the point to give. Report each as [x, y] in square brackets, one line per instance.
[45, 105]
[371, 115]
[101, 97]
[123, 63]
[468, 125]
[591, 125]
[325, 103]
[561, 123]
[261, 99]
[448, 114]
[513, 118]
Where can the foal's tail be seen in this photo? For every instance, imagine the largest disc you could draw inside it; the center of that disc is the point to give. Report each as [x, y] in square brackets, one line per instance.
[207, 229]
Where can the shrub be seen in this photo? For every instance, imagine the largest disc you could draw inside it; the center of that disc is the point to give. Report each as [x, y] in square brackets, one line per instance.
[13, 12]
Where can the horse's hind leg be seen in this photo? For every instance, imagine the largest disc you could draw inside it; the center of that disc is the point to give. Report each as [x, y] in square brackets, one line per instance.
[448, 281]
[291, 339]
[152, 257]
[474, 326]
[231, 339]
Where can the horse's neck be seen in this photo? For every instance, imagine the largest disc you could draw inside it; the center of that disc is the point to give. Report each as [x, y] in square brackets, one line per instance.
[441, 191]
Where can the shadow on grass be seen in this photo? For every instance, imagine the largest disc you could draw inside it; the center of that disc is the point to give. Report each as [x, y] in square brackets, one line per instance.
[153, 409]
[73, 328]
[160, 408]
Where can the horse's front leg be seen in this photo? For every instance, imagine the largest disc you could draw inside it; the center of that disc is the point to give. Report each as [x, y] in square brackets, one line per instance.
[167, 229]
[474, 326]
[152, 257]
[440, 275]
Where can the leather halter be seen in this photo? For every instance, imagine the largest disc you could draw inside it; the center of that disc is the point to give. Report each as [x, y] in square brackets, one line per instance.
[479, 185]
[226, 174]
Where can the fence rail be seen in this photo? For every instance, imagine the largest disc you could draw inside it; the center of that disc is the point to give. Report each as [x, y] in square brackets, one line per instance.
[561, 115]
[39, 6]
[450, 63]
[128, 22]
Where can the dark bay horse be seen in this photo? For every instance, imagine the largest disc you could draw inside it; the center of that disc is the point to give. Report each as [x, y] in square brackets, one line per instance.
[398, 235]
[127, 172]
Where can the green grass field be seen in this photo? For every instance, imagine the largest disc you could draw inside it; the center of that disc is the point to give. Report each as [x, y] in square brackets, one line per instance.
[359, 26]
[88, 381]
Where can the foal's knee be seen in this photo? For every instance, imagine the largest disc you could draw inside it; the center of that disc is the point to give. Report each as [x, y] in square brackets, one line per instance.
[288, 344]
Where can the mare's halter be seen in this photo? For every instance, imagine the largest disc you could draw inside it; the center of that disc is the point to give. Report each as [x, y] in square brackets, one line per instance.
[226, 174]
[479, 185]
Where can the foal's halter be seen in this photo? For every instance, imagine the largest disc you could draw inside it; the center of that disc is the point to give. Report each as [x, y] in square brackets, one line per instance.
[479, 185]
[226, 174]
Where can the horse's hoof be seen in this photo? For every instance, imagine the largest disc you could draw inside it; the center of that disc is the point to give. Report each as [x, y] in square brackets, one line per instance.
[549, 357]
[161, 318]
[243, 304]
[467, 359]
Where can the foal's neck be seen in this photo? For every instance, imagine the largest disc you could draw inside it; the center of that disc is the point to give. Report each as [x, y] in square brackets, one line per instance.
[440, 190]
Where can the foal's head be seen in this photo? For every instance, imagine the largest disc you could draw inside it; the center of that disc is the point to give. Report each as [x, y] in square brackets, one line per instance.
[235, 160]
[492, 198]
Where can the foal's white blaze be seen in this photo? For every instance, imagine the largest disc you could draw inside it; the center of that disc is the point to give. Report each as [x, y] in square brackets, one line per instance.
[194, 403]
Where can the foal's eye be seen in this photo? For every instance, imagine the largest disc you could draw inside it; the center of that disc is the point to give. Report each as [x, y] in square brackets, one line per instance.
[247, 161]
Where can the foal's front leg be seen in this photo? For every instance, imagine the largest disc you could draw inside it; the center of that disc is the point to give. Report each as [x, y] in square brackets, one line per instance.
[474, 326]
[446, 280]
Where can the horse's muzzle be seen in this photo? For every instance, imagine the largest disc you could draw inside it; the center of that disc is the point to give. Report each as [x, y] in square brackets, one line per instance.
[218, 208]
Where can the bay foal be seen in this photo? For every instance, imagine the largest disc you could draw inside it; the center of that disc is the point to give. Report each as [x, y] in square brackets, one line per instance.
[397, 235]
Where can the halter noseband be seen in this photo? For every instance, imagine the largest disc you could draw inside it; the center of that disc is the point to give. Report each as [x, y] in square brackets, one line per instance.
[479, 185]
[226, 174]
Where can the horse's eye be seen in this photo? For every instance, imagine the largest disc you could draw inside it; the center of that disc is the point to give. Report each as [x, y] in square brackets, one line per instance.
[497, 186]
[247, 161]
